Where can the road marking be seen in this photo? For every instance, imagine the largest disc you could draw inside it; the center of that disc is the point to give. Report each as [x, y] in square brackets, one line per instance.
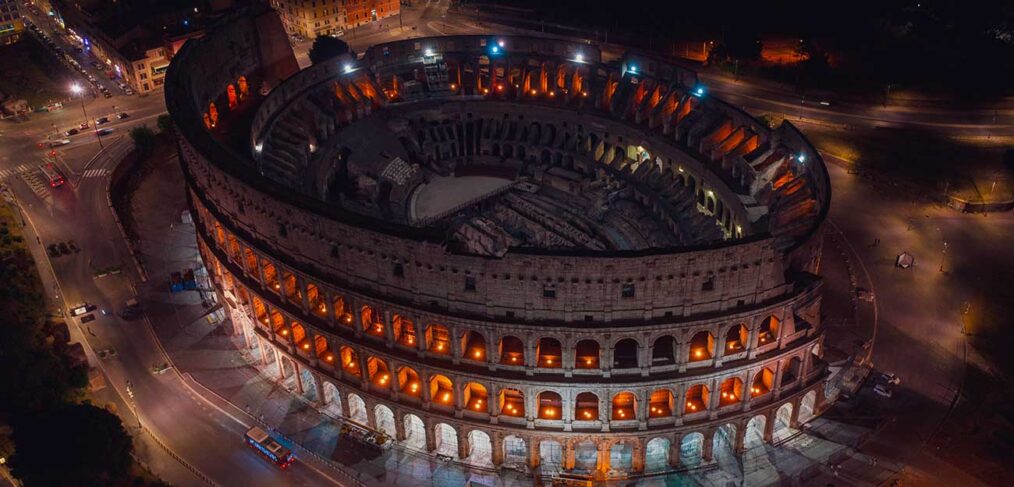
[38, 187]
[95, 173]
[16, 171]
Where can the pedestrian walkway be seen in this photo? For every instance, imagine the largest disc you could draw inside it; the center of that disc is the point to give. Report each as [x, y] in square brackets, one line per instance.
[95, 173]
[15, 171]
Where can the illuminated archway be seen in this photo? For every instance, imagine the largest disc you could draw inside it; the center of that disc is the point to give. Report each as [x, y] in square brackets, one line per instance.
[476, 398]
[473, 346]
[586, 355]
[697, 399]
[702, 346]
[586, 407]
[442, 390]
[512, 351]
[438, 339]
[549, 353]
[736, 339]
[731, 391]
[550, 405]
[408, 380]
[661, 403]
[624, 407]
[512, 403]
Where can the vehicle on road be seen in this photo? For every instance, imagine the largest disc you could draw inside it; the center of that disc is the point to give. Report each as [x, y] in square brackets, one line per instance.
[81, 309]
[105, 132]
[59, 142]
[53, 250]
[131, 309]
[261, 441]
[52, 175]
[882, 390]
[64, 249]
[122, 115]
[102, 120]
[107, 94]
[71, 132]
[83, 126]
[890, 378]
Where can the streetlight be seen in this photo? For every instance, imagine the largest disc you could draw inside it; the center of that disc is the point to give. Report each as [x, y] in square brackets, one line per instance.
[77, 90]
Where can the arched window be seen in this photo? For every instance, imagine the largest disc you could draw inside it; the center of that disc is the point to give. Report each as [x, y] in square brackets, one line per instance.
[624, 406]
[736, 338]
[473, 346]
[512, 402]
[373, 323]
[697, 399]
[732, 391]
[663, 351]
[549, 353]
[768, 331]
[762, 382]
[350, 361]
[476, 397]
[322, 350]
[442, 390]
[409, 381]
[512, 351]
[299, 336]
[586, 355]
[342, 313]
[702, 346]
[438, 339]
[404, 331]
[377, 372]
[550, 405]
[625, 354]
[586, 407]
[660, 404]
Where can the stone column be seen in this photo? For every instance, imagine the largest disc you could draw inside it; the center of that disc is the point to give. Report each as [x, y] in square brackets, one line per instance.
[747, 393]
[531, 356]
[371, 415]
[638, 456]
[394, 382]
[752, 342]
[644, 359]
[399, 428]
[464, 449]
[459, 399]
[426, 395]
[301, 282]
[455, 345]
[278, 360]
[431, 437]
[708, 447]
[674, 451]
[388, 329]
[299, 376]
[602, 461]
[642, 410]
[684, 354]
[319, 386]
[496, 444]
[769, 426]
[364, 372]
[715, 400]
[777, 387]
[534, 454]
[568, 456]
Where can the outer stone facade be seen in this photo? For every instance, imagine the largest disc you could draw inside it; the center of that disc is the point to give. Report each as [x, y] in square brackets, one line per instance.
[679, 306]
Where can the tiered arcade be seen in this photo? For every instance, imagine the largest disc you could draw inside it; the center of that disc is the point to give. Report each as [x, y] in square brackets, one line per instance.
[505, 250]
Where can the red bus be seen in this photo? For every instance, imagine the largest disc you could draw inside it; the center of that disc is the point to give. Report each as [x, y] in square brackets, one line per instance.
[261, 441]
[53, 175]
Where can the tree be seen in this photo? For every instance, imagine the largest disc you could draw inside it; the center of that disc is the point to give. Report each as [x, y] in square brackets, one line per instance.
[164, 122]
[144, 140]
[75, 444]
[327, 47]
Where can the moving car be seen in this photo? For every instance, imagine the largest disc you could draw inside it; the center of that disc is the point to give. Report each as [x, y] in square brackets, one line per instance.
[59, 142]
[122, 115]
[882, 390]
[71, 132]
[102, 120]
[890, 378]
[104, 132]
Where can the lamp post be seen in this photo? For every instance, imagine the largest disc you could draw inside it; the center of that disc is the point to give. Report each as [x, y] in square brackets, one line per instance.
[77, 90]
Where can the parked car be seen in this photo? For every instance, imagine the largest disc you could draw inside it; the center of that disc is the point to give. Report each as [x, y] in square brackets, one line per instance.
[122, 115]
[107, 94]
[71, 132]
[128, 91]
[890, 378]
[64, 249]
[53, 250]
[102, 120]
[882, 390]
[83, 126]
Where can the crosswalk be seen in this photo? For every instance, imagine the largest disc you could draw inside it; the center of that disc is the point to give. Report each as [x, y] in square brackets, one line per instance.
[20, 169]
[95, 173]
[40, 188]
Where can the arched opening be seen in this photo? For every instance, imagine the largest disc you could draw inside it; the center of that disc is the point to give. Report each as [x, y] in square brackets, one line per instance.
[550, 405]
[586, 355]
[663, 351]
[549, 353]
[697, 399]
[768, 331]
[377, 373]
[656, 455]
[404, 331]
[724, 441]
[409, 382]
[690, 449]
[736, 339]
[512, 402]
[415, 432]
[299, 337]
[446, 440]
[473, 346]
[624, 406]
[442, 390]
[762, 382]
[792, 371]
[660, 405]
[512, 351]
[438, 339]
[212, 115]
[807, 406]
[357, 410]
[625, 354]
[480, 449]
[373, 324]
[231, 95]
[783, 422]
[342, 312]
[322, 350]
[350, 361]
[244, 89]
[515, 451]
[332, 400]
[550, 455]
[476, 398]
[702, 346]
[385, 420]
[754, 435]
[316, 300]
[586, 407]
[621, 457]
[586, 456]
[732, 391]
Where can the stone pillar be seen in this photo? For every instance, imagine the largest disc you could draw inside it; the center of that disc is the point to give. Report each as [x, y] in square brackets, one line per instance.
[534, 453]
[769, 426]
[278, 360]
[260, 271]
[715, 400]
[420, 336]
[777, 387]
[568, 456]
[531, 357]
[456, 351]
[264, 355]
[605, 412]
[752, 342]
[464, 449]
[638, 456]
[426, 395]
[344, 402]
[496, 444]
[319, 386]
[431, 437]
[364, 372]
[674, 451]
[739, 445]
[708, 447]
[794, 417]
[747, 393]
[642, 410]
[301, 282]
[399, 428]
[681, 399]
[394, 383]
[371, 415]
[357, 318]
[459, 399]
[388, 329]
[644, 359]
[299, 377]
[684, 354]
[602, 460]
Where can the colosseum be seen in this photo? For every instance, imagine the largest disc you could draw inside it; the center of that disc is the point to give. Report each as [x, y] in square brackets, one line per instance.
[506, 250]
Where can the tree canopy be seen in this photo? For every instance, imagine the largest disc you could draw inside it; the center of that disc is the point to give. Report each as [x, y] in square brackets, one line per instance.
[327, 47]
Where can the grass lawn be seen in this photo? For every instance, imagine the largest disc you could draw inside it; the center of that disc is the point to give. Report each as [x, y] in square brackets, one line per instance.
[29, 70]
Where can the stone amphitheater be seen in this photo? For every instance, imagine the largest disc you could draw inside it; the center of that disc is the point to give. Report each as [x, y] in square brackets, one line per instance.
[504, 250]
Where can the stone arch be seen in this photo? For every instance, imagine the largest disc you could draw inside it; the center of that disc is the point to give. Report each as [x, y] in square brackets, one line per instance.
[409, 381]
[767, 331]
[783, 421]
[384, 418]
[350, 360]
[585, 456]
[371, 321]
[415, 432]
[625, 353]
[476, 398]
[624, 407]
[661, 403]
[587, 354]
[549, 353]
[473, 346]
[736, 339]
[731, 391]
[438, 339]
[754, 434]
[357, 409]
[621, 456]
[656, 455]
[691, 449]
[793, 370]
[663, 351]
[480, 449]
[441, 390]
[404, 331]
[515, 450]
[332, 399]
[308, 382]
[586, 407]
[697, 399]
[550, 405]
[762, 382]
[377, 372]
[702, 346]
[550, 455]
[807, 406]
[512, 402]
[299, 336]
[512, 351]
[724, 439]
[445, 440]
